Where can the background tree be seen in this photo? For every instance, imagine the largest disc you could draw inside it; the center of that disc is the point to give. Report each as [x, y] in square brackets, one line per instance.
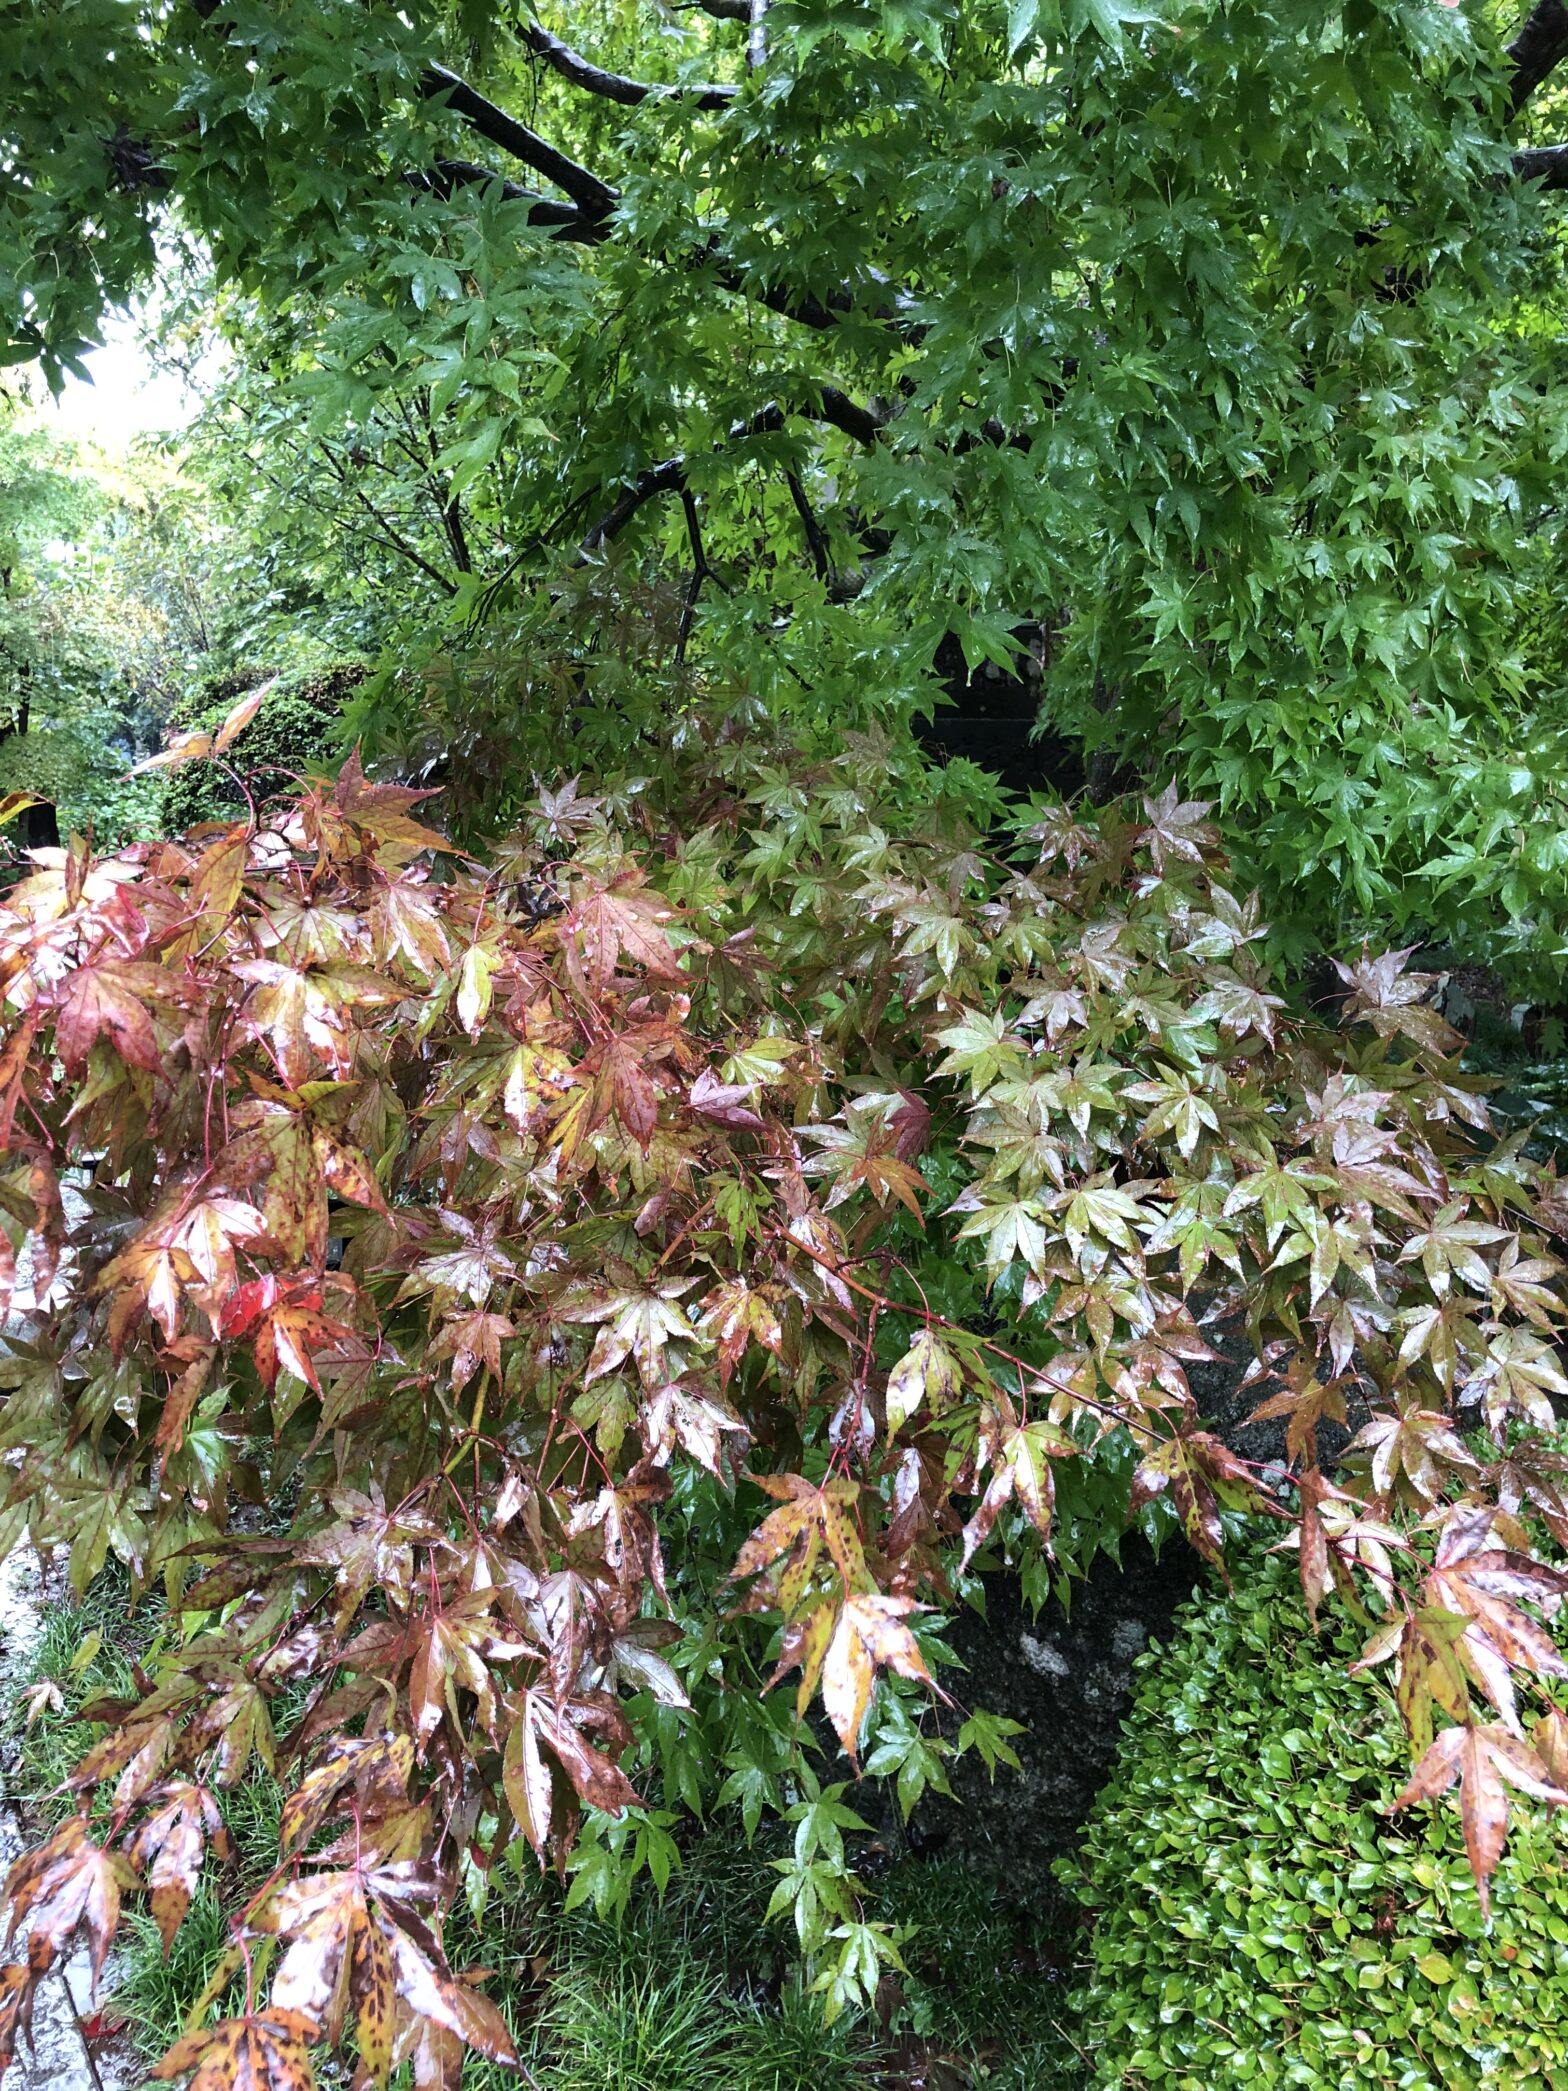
[1210, 364]
[138, 596]
[74, 711]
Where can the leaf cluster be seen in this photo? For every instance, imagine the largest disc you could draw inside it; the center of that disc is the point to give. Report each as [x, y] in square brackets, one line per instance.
[671, 1257]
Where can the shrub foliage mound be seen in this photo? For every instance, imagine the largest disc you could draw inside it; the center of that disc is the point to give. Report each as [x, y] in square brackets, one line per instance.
[1277, 1929]
[294, 734]
[521, 1310]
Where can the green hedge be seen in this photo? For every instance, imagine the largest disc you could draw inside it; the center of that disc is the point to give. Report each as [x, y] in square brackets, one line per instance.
[1258, 1919]
[296, 730]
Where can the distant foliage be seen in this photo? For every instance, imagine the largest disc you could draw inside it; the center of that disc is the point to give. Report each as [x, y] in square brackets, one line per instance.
[672, 1257]
[1257, 1918]
[293, 735]
[74, 712]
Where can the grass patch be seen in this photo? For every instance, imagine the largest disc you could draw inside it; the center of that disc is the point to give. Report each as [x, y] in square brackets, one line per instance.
[82, 1651]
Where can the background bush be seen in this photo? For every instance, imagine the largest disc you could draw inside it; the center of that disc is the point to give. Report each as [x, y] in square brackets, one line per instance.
[1283, 1929]
[294, 732]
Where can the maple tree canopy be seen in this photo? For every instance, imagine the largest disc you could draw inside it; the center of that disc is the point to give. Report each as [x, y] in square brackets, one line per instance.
[1199, 367]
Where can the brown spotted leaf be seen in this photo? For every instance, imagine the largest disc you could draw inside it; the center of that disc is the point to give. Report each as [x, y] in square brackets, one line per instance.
[927, 1376]
[1202, 1475]
[69, 1881]
[168, 1849]
[870, 1635]
[263, 2051]
[1486, 1761]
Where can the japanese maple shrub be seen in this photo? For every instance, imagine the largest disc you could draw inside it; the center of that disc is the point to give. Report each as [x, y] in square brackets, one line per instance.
[674, 1254]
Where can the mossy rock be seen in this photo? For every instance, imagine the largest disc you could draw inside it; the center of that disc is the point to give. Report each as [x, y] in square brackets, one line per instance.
[1261, 1920]
[296, 730]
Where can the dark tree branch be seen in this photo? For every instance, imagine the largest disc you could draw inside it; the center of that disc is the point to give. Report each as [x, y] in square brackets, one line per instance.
[700, 571]
[567, 222]
[596, 199]
[448, 176]
[669, 477]
[1546, 164]
[666, 478]
[593, 201]
[721, 10]
[864, 424]
[995, 436]
[816, 542]
[1539, 48]
[587, 229]
[382, 526]
[593, 196]
[615, 87]
[805, 308]
[448, 506]
[135, 164]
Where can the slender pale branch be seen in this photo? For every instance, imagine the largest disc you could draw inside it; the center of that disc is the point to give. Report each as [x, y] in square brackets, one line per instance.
[757, 36]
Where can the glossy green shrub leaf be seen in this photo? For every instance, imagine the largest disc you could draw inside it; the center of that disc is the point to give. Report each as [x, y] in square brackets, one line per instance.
[1281, 1930]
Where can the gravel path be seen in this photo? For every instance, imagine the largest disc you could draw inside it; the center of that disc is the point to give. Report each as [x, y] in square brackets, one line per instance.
[60, 2058]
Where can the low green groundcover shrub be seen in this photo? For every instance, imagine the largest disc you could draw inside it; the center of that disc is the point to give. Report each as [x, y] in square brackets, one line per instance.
[1283, 1929]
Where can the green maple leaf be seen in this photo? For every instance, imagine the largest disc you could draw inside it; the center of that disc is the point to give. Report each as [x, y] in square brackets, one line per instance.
[981, 1047]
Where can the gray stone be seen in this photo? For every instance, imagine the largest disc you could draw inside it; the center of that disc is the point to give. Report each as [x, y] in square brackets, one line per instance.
[58, 2058]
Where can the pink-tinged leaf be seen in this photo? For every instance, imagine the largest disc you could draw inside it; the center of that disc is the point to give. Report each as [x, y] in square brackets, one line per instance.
[724, 1102]
[1485, 1760]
